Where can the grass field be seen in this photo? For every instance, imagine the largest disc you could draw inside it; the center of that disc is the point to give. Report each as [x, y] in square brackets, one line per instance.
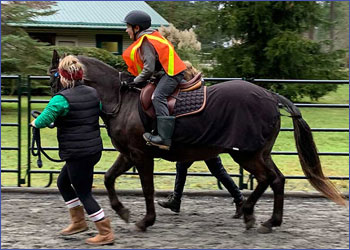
[289, 165]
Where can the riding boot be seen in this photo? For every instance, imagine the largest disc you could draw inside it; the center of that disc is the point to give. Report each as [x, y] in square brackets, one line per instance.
[239, 209]
[173, 203]
[105, 234]
[78, 221]
[165, 126]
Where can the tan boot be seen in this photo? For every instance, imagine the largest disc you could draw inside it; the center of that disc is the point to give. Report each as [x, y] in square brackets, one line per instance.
[105, 234]
[78, 221]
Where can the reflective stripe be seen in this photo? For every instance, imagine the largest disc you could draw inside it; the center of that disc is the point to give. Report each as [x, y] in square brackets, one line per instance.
[171, 62]
[138, 67]
[132, 55]
[171, 59]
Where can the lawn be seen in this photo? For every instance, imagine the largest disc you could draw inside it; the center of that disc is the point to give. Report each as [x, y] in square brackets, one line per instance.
[289, 165]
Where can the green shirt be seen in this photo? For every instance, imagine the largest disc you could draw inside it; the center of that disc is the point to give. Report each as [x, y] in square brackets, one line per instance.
[57, 106]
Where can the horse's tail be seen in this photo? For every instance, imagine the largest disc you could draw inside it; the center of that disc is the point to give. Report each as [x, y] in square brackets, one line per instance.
[308, 156]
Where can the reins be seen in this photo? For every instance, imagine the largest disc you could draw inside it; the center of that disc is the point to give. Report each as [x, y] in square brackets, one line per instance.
[37, 140]
[123, 85]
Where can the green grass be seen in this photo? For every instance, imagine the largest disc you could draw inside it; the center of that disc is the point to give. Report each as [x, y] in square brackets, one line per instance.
[289, 165]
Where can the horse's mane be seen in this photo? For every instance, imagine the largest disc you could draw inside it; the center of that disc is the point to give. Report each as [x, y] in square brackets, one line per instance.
[96, 70]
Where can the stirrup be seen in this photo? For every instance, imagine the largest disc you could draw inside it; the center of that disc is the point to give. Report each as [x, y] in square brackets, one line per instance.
[150, 143]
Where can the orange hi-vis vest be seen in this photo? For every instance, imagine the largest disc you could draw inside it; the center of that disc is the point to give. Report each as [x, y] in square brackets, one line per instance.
[171, 62]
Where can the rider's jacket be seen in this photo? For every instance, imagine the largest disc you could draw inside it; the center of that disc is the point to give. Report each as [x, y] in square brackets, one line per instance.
[78, 132]
[170, 61]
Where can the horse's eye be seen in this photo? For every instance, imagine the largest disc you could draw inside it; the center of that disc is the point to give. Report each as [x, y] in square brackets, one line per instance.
[56, 74]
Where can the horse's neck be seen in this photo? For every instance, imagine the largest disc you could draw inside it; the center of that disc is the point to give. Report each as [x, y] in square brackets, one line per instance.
[113, 99]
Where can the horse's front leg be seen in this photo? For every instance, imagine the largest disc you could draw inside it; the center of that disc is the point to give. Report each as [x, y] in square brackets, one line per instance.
[121, 165]
[145, 169]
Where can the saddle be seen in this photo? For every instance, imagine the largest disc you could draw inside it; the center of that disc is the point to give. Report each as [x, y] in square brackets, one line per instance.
[188, 98]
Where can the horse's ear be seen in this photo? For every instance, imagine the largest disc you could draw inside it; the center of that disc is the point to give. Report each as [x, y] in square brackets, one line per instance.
[55, 59]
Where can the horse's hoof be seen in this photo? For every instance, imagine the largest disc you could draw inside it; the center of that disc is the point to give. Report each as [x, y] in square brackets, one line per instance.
[124, 214]
[264, 230]
[140, 228]
[250, 224]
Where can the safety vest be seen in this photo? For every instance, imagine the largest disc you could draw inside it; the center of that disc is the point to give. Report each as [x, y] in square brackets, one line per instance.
[170, 61]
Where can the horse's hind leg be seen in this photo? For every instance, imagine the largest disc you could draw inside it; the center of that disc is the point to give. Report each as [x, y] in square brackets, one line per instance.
[277, 186]
[255, 165]
[121, 165]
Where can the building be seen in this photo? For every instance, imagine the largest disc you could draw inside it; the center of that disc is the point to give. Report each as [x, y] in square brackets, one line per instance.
[89, 24]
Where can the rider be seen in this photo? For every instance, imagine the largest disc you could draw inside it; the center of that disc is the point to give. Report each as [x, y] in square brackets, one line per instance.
[75, 111]
[151, 54]
[217, 169]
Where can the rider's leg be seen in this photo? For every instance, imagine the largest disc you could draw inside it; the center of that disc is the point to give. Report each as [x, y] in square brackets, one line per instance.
[174, 200]
[165, 123]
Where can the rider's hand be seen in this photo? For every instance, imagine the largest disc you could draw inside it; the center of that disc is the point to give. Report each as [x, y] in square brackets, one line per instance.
[33, 123]
[123, 84]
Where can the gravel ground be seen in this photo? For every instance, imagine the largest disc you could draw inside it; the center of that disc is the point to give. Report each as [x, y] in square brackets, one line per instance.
[33, 220]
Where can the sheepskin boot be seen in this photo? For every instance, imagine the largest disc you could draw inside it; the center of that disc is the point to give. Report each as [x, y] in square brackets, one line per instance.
[105, 234]
[78, 221]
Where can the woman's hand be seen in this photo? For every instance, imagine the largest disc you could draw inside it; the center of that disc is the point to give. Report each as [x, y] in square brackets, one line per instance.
[33, 123]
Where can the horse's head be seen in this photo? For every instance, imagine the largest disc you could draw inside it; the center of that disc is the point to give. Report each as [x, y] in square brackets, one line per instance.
[55, 82]
[104, 78]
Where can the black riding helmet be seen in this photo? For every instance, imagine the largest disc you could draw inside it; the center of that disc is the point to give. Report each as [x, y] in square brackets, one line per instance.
[138, 17]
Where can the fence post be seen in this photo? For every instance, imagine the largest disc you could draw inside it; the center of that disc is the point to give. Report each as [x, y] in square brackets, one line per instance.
[19, 131]
[29, 108]
[242, 185]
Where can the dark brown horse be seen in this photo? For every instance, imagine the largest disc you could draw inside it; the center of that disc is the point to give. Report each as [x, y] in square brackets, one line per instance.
[125, 128]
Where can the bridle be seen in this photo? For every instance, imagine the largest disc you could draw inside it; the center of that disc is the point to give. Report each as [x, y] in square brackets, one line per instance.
[54, 81]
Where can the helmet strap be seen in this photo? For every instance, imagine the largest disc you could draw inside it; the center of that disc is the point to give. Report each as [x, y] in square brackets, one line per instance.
[135, 33]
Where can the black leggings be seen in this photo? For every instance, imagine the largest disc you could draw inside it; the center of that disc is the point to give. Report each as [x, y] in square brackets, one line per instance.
[75, 181]
[216, 168]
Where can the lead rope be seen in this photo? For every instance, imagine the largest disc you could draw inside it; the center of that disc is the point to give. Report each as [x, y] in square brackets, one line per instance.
[37, 140]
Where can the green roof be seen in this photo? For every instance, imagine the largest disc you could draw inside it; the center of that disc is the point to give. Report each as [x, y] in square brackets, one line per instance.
[93, 15]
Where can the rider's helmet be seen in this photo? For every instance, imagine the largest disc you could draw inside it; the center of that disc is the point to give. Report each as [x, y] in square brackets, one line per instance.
[138, 17]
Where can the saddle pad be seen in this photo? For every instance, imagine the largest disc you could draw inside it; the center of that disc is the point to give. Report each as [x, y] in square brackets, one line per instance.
[191, 102]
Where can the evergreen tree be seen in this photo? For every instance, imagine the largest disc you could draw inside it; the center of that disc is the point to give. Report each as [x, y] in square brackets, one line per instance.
[19, 52]
[265, 40]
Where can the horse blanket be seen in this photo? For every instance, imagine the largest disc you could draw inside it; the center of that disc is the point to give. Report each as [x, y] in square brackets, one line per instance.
[238, 115]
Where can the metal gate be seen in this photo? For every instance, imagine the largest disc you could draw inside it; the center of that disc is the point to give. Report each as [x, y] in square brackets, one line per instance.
[240, 175]
[18, 125]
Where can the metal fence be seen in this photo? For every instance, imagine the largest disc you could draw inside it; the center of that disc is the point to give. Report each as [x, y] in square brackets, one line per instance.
[240, 175]
[18, 125]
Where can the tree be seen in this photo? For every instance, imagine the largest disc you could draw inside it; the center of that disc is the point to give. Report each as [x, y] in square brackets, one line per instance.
[265, 41]
[185, 42]
[19, 52]
[201, 16]
[335, 28]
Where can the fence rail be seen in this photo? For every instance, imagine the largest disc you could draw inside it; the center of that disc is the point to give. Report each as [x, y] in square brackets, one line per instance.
[240, 175]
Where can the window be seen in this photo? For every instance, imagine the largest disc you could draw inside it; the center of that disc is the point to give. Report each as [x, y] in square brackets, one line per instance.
[66, 41]
[44, 37]
[111, 43]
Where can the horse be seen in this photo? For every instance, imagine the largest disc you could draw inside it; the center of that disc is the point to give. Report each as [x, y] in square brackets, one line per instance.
[125, 127]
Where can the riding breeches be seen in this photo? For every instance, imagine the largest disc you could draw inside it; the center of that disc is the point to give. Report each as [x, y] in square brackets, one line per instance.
[216, 168]
[165, 87]
[75, 184]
